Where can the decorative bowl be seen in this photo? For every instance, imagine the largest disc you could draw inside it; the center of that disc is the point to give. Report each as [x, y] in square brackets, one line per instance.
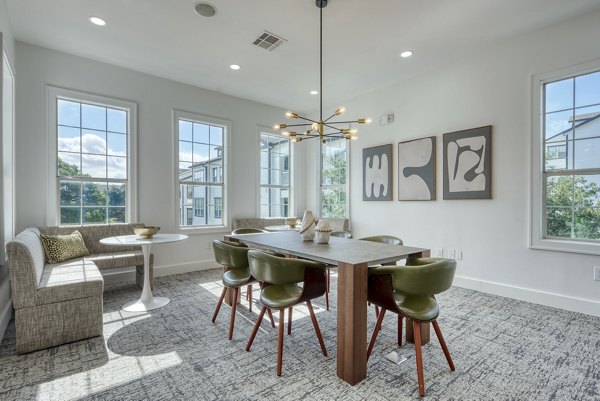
[146, 232]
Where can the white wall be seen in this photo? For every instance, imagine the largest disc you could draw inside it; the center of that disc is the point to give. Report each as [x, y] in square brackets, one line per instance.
[7, 45]
[156, 98]
[491, 87]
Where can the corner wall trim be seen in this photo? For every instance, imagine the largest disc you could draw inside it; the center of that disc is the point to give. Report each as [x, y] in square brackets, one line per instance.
[573, 304]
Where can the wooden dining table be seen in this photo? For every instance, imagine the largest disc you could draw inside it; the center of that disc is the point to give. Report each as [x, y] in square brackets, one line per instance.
[352, 258]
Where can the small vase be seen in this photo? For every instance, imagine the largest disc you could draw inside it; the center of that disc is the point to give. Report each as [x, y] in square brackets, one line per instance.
[322, 237]
[307, 228]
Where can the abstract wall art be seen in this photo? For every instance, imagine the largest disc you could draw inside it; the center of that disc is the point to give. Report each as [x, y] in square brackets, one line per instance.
[377, 173]
[416, 169]
[468, 164]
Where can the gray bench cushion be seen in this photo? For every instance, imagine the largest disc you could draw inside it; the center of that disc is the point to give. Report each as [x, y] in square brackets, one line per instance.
[115, 260]
[68, 280]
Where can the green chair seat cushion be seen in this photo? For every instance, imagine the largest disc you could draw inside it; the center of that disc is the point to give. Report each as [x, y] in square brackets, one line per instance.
[280, 296]
[237, 277]
[417, 307]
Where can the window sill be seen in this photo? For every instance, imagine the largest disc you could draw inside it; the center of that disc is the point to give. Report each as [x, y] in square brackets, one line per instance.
[204, 230]
[557, 245]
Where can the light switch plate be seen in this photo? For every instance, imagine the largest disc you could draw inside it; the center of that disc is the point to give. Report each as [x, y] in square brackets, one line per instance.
[596, 273]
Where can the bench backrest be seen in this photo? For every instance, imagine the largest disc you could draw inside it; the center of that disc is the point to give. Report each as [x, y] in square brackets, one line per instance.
[94, 233]
[26, 260]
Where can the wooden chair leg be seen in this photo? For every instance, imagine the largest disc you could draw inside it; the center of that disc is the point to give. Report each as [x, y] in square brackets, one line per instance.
[256, 327]
[248, 289]
[400, 320]
[271, 317]
[417, 334]
[290, 320]
[316, 326]
[327, 288]
[375, 332]
[249, 294]
[219, 304]
[233, 309]
[280, 341]
[438, 333]
[376, 311]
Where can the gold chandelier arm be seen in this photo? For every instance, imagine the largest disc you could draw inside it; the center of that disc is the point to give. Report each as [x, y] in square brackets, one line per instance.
[307, 119]
[330, 117]
[297, 125]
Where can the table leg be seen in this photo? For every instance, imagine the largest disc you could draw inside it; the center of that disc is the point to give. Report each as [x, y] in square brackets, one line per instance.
[352, 322]
[147, 301]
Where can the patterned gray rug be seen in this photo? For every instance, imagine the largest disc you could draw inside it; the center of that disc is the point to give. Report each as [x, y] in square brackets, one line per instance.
[503, 350]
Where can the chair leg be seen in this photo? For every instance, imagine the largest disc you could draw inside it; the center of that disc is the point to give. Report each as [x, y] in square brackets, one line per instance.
[316, 326]
[417, 334]
[280, 341]
[249, 296]
[376, 311]
[256, 327]
[375, 332]
[233, 309]
[327, 288]
[290, 320]
[271, 317]
[219, 304]
[400, 320]
[438, 333]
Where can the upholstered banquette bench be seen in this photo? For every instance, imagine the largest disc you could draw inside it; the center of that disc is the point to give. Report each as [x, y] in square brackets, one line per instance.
[62, 302]
[255, 222]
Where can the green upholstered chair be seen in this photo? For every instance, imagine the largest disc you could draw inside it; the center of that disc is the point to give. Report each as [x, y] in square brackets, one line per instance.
[281, 291]
[248, 230]
[385, 239]
[409, 292]
[234, 259]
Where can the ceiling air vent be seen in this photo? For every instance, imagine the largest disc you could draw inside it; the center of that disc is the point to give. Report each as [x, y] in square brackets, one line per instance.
[269, 41]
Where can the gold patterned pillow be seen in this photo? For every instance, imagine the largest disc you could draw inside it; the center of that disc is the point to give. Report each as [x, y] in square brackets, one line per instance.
[59, 248]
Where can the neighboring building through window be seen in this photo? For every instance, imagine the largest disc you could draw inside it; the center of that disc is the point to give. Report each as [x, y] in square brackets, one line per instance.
[200, 156]
[92, 158]
[571, 158]
[334, 178]
[275, 188]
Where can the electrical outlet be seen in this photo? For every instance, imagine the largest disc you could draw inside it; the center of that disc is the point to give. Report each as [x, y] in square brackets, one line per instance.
[209, 245]
[439, 252]
[596, 273]
[452, 253]
[459, 255]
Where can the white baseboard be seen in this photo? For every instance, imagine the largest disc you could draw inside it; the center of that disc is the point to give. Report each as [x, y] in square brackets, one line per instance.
[5, 316]
[167, 270]
[573, 304]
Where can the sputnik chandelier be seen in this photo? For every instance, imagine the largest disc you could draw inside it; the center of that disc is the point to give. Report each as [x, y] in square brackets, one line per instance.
[321, 129]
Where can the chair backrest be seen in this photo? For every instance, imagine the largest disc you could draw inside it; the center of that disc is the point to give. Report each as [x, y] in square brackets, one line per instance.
[424, 276]
[277, 270]
[386, 239]
[248, 230]
[231, 254]
[341, 234]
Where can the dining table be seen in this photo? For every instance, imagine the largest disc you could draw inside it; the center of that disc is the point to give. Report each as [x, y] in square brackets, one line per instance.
[352, 258]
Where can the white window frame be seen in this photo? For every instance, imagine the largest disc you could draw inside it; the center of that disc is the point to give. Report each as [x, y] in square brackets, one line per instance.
[227, 134]
[320, 178]
[52, 95]
[537, 240]
[263, 130]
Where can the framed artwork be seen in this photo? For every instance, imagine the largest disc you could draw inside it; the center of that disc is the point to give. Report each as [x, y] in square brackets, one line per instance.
[468, 164]
[377, 173]
[416, 169]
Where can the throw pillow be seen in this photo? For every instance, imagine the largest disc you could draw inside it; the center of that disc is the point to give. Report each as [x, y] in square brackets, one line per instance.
[59, 248]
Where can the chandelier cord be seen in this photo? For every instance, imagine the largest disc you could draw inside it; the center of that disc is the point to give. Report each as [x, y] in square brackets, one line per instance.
[321, 65]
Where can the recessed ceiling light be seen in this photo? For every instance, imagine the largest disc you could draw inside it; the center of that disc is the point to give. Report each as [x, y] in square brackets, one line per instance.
[97, 21]
[406, 54]
[234, 67]
[314, 92]
[205, 9]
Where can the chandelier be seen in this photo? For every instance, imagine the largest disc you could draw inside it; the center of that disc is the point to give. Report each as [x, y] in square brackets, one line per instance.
[324, 128]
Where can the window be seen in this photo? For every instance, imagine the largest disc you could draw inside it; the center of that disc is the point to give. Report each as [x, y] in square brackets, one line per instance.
[567, 207]
[275, 188]
[334, 172]
[199, 207]
[93, 169]
[200, 170]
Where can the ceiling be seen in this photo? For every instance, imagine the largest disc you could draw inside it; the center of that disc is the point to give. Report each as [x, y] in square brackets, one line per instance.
[362, 39]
